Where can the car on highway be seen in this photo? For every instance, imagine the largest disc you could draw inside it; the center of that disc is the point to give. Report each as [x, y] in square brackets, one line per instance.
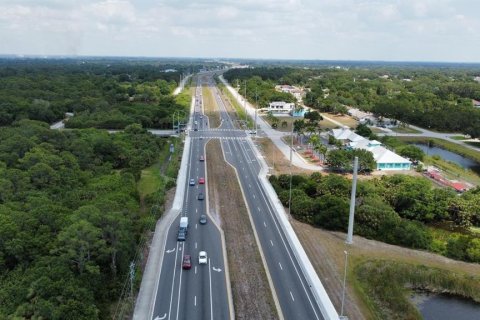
[203, 219]
[182, 235]
[187, 262]
[201, 180]
[201, 196]
[192, 182]
[202, 257]
[202, 158]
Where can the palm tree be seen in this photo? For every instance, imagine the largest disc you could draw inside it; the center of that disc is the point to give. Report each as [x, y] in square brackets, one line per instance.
[314, 141]
[321, 149]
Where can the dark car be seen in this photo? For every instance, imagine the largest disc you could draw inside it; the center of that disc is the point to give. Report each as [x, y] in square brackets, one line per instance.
[182, 235]
[187, 262]
[203, 219]
[201, 196]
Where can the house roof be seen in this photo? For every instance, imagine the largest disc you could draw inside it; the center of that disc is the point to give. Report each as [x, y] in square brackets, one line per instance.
[383, 155]
[346, 134]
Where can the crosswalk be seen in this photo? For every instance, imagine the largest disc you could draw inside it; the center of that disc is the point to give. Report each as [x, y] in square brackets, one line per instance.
[219, 130]
[220, 138]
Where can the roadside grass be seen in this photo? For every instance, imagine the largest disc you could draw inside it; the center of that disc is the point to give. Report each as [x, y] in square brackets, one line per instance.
[473, 143]
[458, 137]
[326, 252]
[388, 284]
[239, 109]
[405, 130]
[453, 171]
[252, 297]
[150, 180]
[211, 108]
[281, 123]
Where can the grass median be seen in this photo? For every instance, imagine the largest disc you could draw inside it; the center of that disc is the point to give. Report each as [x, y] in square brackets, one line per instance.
[211, 108]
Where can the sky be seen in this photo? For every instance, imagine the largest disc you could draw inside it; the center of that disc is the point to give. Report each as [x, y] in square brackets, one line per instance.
[389, 30]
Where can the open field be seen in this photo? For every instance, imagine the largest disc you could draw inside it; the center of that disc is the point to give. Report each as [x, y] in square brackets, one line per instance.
[251, 292]
[210, 107]
[346, 120]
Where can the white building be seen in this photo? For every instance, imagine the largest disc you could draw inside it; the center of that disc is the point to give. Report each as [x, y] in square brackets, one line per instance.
[298, 93]
[385, 159]
[280, 107]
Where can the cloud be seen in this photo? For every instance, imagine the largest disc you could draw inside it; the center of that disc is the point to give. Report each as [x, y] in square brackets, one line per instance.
[315, 29]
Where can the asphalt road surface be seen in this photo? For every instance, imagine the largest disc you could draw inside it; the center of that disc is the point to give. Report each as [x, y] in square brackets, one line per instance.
[200, 292]
[292, 289]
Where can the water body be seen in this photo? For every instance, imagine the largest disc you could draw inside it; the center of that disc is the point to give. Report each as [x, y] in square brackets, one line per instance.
[445, 307]
[450, 156]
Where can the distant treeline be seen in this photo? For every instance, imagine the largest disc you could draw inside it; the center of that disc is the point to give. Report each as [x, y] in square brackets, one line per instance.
[101, 94]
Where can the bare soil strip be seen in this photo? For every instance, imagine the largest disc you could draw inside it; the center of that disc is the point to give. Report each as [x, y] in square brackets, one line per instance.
[211, 109]
[251, 293]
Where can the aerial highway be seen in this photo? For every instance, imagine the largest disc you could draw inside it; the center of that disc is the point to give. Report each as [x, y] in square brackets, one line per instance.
[199, 292]
[292, 289]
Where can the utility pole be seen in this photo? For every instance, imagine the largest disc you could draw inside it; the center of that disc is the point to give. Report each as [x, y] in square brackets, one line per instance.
[349, 240]
[352, 202]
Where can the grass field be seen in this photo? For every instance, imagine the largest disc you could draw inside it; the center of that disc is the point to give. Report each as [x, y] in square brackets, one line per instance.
[346, 120]
[458, 137]
[251, 292]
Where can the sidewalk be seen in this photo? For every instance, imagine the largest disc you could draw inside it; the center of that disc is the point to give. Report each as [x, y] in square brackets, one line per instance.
[274, 135]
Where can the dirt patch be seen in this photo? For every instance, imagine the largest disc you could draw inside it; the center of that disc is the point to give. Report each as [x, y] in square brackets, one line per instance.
[326, 252]
[210, 107]
[276, 160]
[251, 292]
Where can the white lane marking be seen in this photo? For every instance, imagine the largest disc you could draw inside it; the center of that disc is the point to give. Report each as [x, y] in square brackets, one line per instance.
[291, 295]
[161, 318]
[249, 185]
[253, 196]
[195, 245]
[280, 265]
[258, 208]
[217, 270]
[173, 282]
[196, 210]
[196, 226]
[180, 284]
[171, 250]
[211, 300]
[264, 224]
[271, 242]
[195, 301]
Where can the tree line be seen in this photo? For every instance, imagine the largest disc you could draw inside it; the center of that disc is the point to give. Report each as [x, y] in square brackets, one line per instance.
[394, 209]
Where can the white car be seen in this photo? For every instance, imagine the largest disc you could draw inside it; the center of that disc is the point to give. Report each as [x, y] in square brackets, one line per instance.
[202, 257]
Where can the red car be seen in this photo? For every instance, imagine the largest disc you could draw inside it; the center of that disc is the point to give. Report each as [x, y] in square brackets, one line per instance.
[202, 158]
[201, 180]
[187, 262]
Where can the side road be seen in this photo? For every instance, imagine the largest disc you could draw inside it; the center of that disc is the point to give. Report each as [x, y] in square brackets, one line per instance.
[272, 134]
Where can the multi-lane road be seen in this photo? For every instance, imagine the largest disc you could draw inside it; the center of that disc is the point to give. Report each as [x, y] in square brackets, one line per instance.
[201, 292]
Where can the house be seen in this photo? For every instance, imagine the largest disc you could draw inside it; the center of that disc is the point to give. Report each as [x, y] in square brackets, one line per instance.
[279, 107]
[298, 93]
[385, 159]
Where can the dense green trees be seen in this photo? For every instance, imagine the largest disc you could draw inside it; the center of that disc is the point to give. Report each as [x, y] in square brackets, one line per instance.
[394, 209]
[101, 93]
[69, 217]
